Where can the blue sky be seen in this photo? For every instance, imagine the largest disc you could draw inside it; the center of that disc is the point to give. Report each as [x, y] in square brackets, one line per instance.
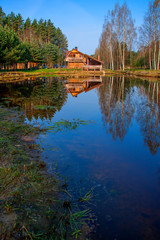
[80, 20]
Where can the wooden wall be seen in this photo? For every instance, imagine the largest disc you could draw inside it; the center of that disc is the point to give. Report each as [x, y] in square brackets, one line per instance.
[75, 65]
[18, 66]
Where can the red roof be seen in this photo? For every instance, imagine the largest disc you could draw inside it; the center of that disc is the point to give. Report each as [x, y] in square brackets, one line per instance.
[67, 53]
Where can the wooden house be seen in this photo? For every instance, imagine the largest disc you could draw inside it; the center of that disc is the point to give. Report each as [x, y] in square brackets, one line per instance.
[78, 60]
[77, 86]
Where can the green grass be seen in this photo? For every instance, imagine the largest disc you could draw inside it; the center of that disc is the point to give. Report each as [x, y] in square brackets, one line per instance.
[36, 71]
[65, 125]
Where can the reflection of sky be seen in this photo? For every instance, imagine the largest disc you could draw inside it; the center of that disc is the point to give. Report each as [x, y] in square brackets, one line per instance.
[75, 108]
[124, 173]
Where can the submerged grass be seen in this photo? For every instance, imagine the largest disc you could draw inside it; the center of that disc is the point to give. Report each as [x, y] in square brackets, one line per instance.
[31, 203]
[65, 125]
[87, 197]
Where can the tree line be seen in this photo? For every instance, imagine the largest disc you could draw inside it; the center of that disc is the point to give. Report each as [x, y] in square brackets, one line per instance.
[119, 39]
[26, 41]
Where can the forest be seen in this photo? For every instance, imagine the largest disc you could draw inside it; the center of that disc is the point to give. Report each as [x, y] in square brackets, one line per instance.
[122, 45]
[23, 41]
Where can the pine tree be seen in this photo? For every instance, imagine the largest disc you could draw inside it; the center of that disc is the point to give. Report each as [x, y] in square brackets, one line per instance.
[27, 30]
[2, 17]
[9, 46]
[34, 30]
[51, 32]
[30, 41]
[51, 54]
[61, 42]
[36, 52]
[19, 25]
[25, 52]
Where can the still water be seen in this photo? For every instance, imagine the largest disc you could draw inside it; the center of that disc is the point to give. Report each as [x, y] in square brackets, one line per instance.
[116, 154]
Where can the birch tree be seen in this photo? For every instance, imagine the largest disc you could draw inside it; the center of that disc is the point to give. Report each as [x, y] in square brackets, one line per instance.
[146, 33]
[118, 32]
[150, 34]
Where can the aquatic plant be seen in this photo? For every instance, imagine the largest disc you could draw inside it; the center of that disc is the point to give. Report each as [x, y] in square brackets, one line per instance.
[87, 197]
[65, 125]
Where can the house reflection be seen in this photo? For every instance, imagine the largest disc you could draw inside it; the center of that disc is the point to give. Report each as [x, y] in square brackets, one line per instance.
[80, 85]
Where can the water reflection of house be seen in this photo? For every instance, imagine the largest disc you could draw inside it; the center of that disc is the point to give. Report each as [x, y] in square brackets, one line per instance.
[78, 60]
[77, 86]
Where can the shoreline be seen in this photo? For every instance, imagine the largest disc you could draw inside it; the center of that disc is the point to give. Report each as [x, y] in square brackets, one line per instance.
[21, 75]
[142, 73]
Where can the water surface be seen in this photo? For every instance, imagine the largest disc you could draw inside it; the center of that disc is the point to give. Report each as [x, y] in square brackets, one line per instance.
[117, 153]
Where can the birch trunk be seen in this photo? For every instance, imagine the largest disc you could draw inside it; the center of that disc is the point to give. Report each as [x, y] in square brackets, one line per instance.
[158, 55]
[110, 43]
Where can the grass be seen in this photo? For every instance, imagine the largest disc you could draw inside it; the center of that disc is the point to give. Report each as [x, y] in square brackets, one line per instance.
[20, 75]
[33, 204]
[4, 75]
[43, 71]
[87, 197]
[65, 125]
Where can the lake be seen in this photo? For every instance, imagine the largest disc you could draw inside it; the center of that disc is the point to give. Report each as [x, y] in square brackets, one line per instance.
[114, 153]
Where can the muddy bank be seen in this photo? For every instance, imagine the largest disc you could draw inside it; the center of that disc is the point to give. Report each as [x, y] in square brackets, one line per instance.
[14, 76]
[11, 76]
[22, 75]
[143, 74]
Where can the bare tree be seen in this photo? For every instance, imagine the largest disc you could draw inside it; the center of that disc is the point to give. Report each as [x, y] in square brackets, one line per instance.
[132, 35]
[146, 35]
[150, 34]
[117, 25]
[118, 31]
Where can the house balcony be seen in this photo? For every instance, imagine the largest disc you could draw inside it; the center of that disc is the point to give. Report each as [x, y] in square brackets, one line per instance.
[74, 60]
[92, 67]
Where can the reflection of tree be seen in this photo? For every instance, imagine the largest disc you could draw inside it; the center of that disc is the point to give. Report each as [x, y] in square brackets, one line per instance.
[49, 93]
[118, 100]
[148, 115]
[116, 105]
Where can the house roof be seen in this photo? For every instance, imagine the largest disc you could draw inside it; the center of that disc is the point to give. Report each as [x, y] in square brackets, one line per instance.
[75, 50]
[67, 53]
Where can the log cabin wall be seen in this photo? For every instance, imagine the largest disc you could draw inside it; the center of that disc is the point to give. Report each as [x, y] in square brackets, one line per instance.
[19, 66]
[32, 64]
[75, 65]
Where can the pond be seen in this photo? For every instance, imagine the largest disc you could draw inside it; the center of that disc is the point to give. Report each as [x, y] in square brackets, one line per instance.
[115, 154]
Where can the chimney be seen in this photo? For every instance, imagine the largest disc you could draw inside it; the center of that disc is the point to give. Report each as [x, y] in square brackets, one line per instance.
[99, 59]
[76, 48]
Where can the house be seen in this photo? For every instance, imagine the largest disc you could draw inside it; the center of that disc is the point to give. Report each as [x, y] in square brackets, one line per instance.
[77, 86]
[78, 60]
